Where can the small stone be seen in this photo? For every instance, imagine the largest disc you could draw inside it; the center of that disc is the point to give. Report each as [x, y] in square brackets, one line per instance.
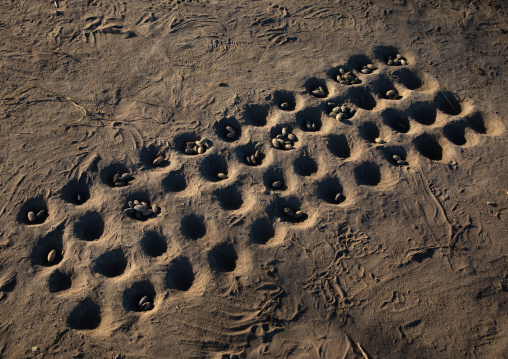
[371, 67]
[332, 104]
[289, 212]
[352, 112]
[145, 204]
[202, 143]
[396, 158]
[230, 129]
[131, 204]
[275, 143]
[136, 202]
[146, 306]
[365, 71]
[390, 62]
[78, 197]
[341, 117]
[399, 56]
[126, 176]
[396, 62]
[288, 146]
[116, 178]
[52, 256]
[189, 151]
[298, 214]
[344, 108]
[140, 208]
[139, 215]
[31, 216]
[344, 82]
[318, 93]
[349, 77]
[144, 300]
[248, 160]
[336, 110]
[284, 105]
[342, 71]
[338, 197]
[253, 160]
[276, 184]
[291, 137]
[120, 184]
[191, 144]
[201, 150]
[401, 162]
[379, 140]
[155, 208]
[129, 211]
[35, 349]
[231, 135]
[284, 131]
[403, 62]
[40, 214]
[257, 154]
[314, 126]
[222, 176]
[158, 161]
[390, 93]
[147, 213]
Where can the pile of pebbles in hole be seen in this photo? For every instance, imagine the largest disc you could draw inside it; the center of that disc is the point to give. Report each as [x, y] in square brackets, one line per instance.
[292, 213]
[341, 113]
[319, 91]
[284, 105]
[230, 132]
[310, 126]
[398, 60]
[121, 179]
[253, 160]
[284, 140]
[392, 95]
[277, 184]
[159, 160]
[197, 147]
[32, 216]
[140, 209]
[347, 77]
[145, 304]
[368, 69]
[398, 160]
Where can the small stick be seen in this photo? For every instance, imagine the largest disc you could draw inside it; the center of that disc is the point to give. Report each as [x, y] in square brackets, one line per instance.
[365, 355]
[56, 4]
[270, 302]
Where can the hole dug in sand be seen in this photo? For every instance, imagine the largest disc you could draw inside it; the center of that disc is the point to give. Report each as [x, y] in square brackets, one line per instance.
[193, 227]
[455, 132]
[262, 231]
[423, 112]
[396, 120]
[288, 210]
[429, 147]
[222, 258]
[338, 146]
[153, 157]
[284, 100]
[448, 103]
[175, 181]
[367, 174]
[109, 173]
[180, 275]
[86, 315]
[316, 87]
[230, 198]
[309, 119]
[362, 98]
[77, 191]
[41, 252]
[33, 211]
[408, 79]
[255, 115]
[229, 129]
[89, 227]
[59, 281]
[274, 179]
[154, 244]
[214, 168]
[331, 191]
[132, 296]
[111, 264]
[395, 155]
[369, 131]
[305, 166]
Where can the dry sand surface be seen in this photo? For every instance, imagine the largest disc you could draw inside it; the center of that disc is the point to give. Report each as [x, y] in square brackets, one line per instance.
[284, 225]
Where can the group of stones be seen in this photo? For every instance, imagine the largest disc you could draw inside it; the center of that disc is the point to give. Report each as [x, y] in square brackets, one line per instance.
[284, 140]
[140, 209]
[197, 147]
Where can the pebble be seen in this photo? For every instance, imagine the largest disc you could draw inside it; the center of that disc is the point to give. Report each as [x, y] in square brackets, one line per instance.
[288, 146]
[403, 62]
[126, 176]
[289, 212]
[136, 202]
[390, 93]
[379, 140]
[276, 184]
[275, 143]
[291, 137]
[144, 300]
[284, 105]
[365, 71]
[284, 131]
[116, 178]
[51, 256]
[371, 67]
[31, 216]
[189, 151]
[147, 213]
[230, 129]
[401, 162]
[298, 214]
[332, 104]
[253, 160]
[158, 161]
[140, 208]
[396, 158]
[231, 135]
[248, 160]
[131, 204]
[146, 306]
[129, 211]
[78, 197]
[341, 117]
[201, 150]
[338, 197]
[120, 184]
[222, 176]
[155, 209]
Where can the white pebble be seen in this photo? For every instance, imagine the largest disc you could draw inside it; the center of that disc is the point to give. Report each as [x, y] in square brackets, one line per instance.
[31, 216]
[52, 256]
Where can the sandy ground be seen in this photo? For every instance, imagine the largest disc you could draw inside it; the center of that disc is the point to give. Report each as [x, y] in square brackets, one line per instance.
[410, 261]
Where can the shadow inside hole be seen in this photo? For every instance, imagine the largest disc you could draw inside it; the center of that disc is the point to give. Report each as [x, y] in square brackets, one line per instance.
[133, 295]
[329, 189]
[148, 154]
[389, 152]
[273, 175]
[193, 227]
[314, 84]
[396, 120]
[256, 115]
[262, 231]
[222, 258]
[281, 97]
[448, 103]
[34, 205]
[310, 115]
[229, 198]
[110, 171]
[86, 315]
[383, 52]
[369, 131]
[180, 275]
[423, 112]
[52, 240]
[222, 133]
[59, 281]
[338, 146]
[111, 264]
[357, 61]
[428, 146]
[278, 206]
[175, 181]
[381, 86]
[181, 140]
[212, 165]
[154, 244]
[367, 174]
[305, 166]
[476, 122]
[408, 79]
[77, 191]
[89, 227]
[455, 132]
[361, 97]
